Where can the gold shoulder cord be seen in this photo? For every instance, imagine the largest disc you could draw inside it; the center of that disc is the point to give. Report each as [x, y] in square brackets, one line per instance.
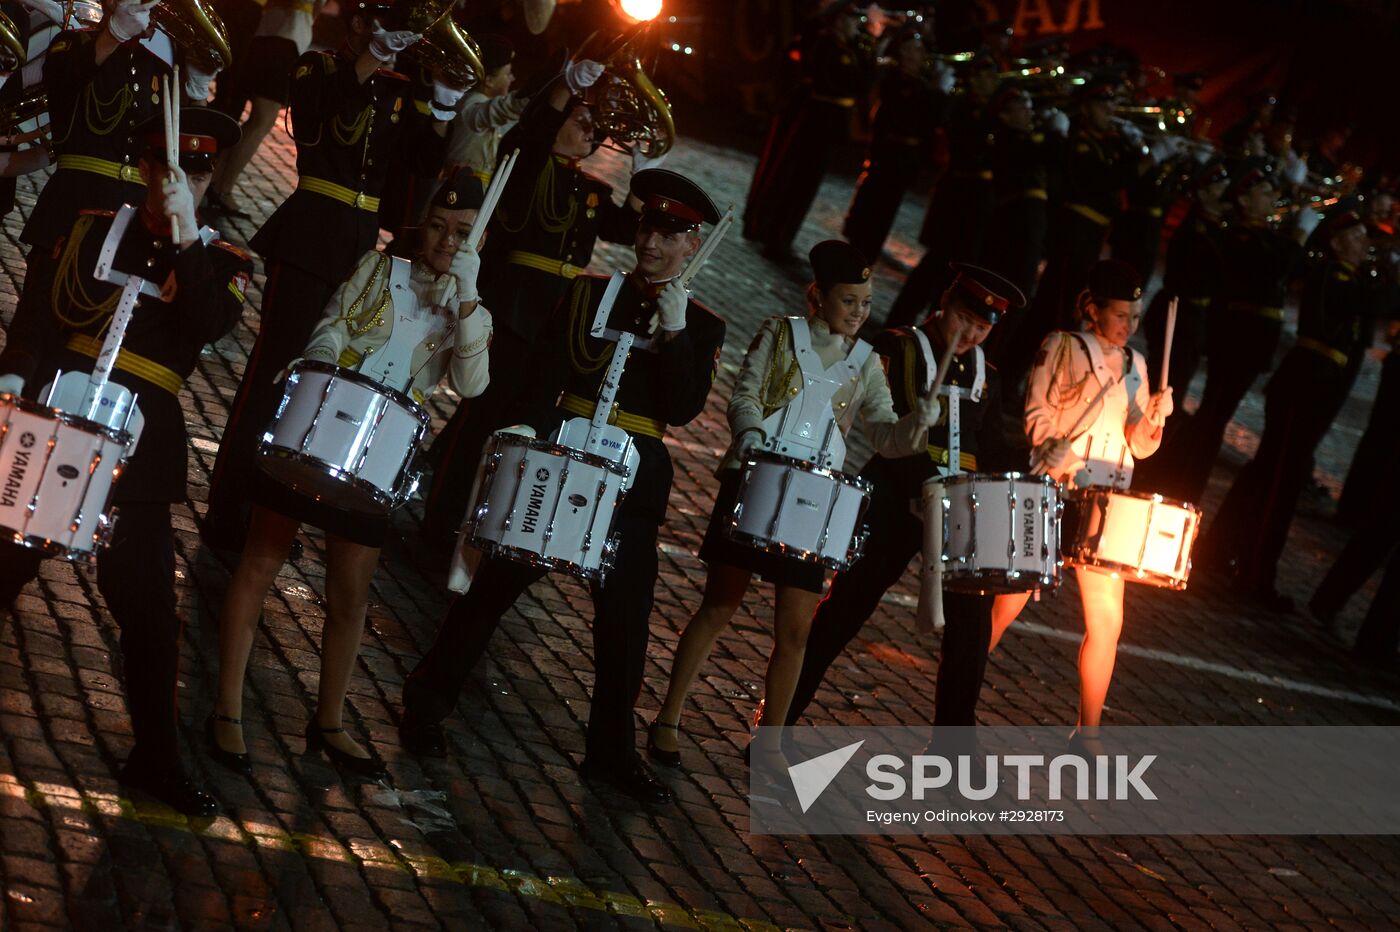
[351, 315]
[100, 116]
[541, 206]
[584, 362]
[350, 134]
[1060, 397]
[773, 394]
[69, 291]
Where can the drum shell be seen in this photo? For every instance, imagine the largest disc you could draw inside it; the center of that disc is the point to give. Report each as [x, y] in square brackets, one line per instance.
[1142, 537]
[341, 437]
[547, 506]
[57, 474]
[797, 510]
[1001, 532]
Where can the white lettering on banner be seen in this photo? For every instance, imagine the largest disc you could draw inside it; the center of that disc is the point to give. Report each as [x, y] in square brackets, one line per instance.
[935, 772]
[1038, 17]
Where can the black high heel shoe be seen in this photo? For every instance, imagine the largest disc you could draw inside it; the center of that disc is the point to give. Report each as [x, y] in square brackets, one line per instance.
[239, 763]
[661, 755]
[371, 768]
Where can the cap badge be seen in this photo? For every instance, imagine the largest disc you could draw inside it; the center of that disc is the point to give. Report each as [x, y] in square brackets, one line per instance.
[664, 205]
[989, 300]
[193, 143]
[864, 274]
[451, 197]
[1137, 293]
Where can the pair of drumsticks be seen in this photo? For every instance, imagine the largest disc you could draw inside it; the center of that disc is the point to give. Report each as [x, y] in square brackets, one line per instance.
[170, 110]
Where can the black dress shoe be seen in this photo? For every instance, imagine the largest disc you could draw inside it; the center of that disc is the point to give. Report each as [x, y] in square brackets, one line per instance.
[370, 768]
[426, 739]
[239, 763]
[661, 755]
[633, 778]
[170, 786]
[296, 550]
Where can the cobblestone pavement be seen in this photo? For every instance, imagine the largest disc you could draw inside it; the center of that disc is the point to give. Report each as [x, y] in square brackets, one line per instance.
[504, 835]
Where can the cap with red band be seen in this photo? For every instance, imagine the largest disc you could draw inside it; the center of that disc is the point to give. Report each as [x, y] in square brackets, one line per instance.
[983, 292]
[672, 202]
[205, 133]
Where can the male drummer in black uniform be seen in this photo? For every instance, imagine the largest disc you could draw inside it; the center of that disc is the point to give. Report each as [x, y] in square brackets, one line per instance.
[204, 281]
[970, 307]
[348, 111]
[664, 384]
[551, 214]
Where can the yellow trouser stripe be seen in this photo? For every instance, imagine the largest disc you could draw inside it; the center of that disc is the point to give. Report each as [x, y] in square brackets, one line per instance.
[632, 423]
[127, 361]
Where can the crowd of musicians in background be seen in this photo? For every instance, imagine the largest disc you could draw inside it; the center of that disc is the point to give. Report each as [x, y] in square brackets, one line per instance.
[1061, 179]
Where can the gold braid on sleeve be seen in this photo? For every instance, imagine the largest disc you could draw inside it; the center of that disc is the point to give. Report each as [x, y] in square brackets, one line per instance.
[774, 392]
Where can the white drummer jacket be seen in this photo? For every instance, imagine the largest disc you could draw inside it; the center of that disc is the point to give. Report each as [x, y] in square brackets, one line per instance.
[1069, 372]
[368, 321]
[770, 379]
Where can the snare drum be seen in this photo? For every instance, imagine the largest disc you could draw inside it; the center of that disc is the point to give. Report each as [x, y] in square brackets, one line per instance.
[344, 438]
[1141, 536]
[795, 509]
[547, 505]
[57, 471]
[1001, 532]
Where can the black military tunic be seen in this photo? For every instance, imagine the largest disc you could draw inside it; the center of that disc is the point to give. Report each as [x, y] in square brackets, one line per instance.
[550, 216]
[136, 573]
[1302, 398]
[1136, 237]
[663, 386]
[1021, 180]
[344, 132]
[896, 534]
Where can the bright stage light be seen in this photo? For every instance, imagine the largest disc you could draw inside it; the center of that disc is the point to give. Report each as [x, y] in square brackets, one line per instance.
[641, 10]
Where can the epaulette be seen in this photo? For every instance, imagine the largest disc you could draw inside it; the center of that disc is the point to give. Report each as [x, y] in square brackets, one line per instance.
[229, 247]
[97, 213]
[327, 60]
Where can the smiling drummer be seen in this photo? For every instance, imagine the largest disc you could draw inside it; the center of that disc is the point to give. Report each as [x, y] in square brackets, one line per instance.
[665, 383]
[799, 390]
[966, 438]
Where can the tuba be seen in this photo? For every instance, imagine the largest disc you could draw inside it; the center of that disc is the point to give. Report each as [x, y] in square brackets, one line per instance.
[195, 27]
[627, 106]
[446, 48]
[12, 51]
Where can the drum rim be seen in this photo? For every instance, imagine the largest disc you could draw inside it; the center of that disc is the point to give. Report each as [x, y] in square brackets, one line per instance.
[86, 425]
[1129, 573]
[1090, 491]
[1012, 476]
[53, 550]
[989, 574]
[549, 446]
[788, 551]
[388, 501]
[855, 481]
[359, 378]
[549, 564]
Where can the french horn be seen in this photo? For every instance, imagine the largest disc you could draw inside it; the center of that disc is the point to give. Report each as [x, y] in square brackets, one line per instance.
[12, 52]
[627, 106]
[446, 49]
[196, 28]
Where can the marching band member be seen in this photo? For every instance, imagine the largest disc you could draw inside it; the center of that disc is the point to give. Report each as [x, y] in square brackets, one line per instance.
[550, 216]
[800, 374]
[205, 282]
[971, 306]
[474, 137]
[1301, 400]
[664, 384]
[347, 114]
[442, 331]
[1070, 372]
[1021, 161]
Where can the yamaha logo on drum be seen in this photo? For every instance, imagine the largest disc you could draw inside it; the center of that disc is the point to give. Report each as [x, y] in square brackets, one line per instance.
[1028, 529]
[14, 481]
[534, 505]
[26, 440]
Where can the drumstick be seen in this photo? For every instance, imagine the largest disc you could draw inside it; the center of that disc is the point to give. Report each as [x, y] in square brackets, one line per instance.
[1167, 344]
[1083, 416]
[490, 200]
[947, 359]
[170, 109]
[708, 247]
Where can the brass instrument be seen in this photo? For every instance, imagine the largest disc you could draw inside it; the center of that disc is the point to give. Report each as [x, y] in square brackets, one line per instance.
[446, 49]
[12, 51]
[31, 104]
[196, 28]
[627, 106]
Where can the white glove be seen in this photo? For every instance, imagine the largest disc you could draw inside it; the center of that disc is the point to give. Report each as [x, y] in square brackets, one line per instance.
[1295, 169]
[1057, 122]
[580, 75]
[1305, 220]
[1164, 149]
[943, 77]
[11, 384]
[641, 163]
[1204, 153]
[179, 202]
[49, 9]
[1131, 133]
[748, 443]
[466, 265]
[129, 18]
[1160, 408]
[445, 98]
[385, 45]
[197, 82]
[1053, 456]
[930, 409]
[670, 305]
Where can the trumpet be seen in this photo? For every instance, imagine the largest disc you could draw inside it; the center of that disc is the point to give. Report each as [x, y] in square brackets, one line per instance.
[446, 48]
[1317, 202]
[627, 104]
[12, 51]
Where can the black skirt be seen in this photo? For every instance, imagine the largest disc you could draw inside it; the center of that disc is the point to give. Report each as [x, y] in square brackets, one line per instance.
[368, 530]
[770, 567]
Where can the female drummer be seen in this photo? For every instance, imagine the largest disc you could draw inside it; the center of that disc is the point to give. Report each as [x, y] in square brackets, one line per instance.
[1111, 427]
[802, 383]
[433, 326]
